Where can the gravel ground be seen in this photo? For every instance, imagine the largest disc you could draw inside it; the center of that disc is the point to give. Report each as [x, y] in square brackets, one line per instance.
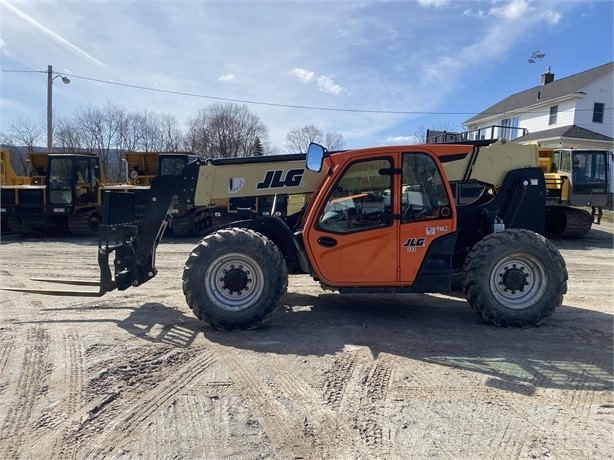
[134, 375]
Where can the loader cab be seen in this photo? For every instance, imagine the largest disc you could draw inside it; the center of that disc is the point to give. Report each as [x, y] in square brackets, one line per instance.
[72, 179]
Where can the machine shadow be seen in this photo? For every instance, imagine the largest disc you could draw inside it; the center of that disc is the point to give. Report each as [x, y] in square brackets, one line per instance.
[571, 350]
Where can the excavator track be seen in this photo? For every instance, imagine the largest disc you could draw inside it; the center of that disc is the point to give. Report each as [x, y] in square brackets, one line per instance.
[15, 225]
[36, 225]
[83, 224]
[196, 224]
[567, 222]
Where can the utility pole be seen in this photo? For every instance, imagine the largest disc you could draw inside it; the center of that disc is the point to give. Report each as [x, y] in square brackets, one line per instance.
[50, 79]
[49, 108]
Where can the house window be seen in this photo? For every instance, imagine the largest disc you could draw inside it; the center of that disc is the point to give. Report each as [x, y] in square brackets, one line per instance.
[598, 112]
[553, 112]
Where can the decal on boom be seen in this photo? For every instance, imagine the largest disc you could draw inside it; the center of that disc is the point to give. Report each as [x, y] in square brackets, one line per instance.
[275, 179]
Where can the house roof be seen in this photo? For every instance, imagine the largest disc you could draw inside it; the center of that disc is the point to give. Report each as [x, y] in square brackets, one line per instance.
[570, 131]
[555, 89]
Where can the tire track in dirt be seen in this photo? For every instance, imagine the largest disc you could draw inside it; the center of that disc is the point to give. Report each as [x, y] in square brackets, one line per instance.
[35, 368]
[359, 390]
[213, 428]
[280, 426]
[373, 428]
[6, 347]
[321, 424]
[338, 377]
[367, 389]
[143, 407]
[427, 403]
[192, 423]
[73, 400]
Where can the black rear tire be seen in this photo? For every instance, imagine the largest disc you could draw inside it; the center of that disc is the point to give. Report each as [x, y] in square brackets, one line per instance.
[235, 279]
[514, 278]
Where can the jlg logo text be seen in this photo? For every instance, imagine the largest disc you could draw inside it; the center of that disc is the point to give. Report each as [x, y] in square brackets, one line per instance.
[276, 179]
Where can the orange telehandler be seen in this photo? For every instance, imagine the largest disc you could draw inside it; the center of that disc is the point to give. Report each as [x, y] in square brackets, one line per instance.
[379, 220]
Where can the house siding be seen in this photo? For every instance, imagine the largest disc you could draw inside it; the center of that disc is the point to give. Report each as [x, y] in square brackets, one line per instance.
[601, 90]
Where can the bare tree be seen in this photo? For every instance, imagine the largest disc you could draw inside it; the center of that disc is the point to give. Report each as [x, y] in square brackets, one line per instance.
[23, 133]
[171, 133]
[100, 130]
[68, 136]
[225, 131]
[299, 138]
[334, 141]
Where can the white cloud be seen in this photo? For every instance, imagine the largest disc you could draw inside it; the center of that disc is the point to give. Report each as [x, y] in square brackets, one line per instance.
[305, 75]
[401, 140]
[512, 11]
[433, 3]
[552, 17]
[228, 78]
[470, 13]
[325, 83]
[328, 85]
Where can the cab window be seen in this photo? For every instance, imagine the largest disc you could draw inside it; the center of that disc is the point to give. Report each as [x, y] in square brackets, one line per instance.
[423, 192]
[360, 199]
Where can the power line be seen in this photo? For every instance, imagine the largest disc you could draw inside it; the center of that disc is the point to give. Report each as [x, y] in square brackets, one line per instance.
[273, 104]
[270, 104]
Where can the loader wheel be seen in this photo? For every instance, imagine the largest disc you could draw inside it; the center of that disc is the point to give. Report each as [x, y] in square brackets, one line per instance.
[514, 278]
[235, 279]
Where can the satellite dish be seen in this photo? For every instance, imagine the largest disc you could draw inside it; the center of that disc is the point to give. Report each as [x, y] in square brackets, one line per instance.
[536, 56]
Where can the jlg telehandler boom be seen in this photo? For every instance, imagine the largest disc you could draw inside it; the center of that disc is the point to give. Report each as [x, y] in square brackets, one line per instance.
[379, 220]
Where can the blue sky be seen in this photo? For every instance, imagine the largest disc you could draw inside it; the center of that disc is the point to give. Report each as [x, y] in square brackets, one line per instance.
[374, 71]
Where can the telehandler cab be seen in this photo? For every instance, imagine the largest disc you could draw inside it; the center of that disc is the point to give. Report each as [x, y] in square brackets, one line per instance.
[379, 220]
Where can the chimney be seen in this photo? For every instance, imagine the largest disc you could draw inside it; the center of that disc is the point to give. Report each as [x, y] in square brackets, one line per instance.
[547, 77]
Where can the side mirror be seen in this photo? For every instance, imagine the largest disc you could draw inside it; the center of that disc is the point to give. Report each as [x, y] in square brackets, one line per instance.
[315, 156]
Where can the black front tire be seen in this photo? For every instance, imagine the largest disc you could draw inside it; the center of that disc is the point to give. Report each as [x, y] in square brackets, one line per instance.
[514, 278]
[235, 279]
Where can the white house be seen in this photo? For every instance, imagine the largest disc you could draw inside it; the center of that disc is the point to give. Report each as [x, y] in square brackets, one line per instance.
[575, 111]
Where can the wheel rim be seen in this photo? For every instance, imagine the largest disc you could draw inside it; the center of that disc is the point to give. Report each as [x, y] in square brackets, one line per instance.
[234, 282]
[518, 281]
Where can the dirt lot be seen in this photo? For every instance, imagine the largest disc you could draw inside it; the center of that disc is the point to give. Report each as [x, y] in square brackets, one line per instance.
[135, 375]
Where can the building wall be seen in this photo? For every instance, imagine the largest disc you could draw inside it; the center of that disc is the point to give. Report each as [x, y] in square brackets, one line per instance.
[601, 90]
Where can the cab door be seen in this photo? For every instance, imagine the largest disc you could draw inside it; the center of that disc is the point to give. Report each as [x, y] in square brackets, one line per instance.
[354, 238]
[426, 219]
